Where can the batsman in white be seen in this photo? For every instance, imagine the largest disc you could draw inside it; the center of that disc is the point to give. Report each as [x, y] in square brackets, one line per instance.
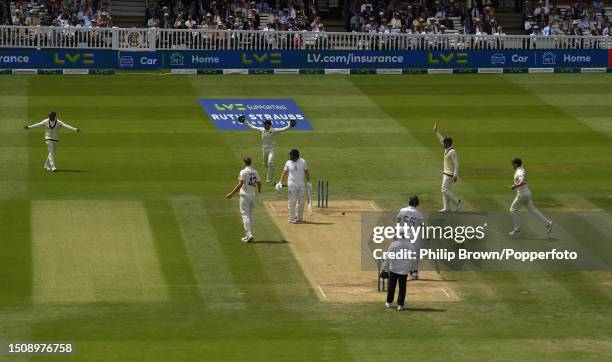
[268, 141]
[52, 126]
[298, 179]
[249, 186]
[523, 197]
[450, 173]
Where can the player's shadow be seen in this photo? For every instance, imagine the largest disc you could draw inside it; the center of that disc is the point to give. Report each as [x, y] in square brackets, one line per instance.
[424, 309]
[271, 242]
[70, 171]
[527, 238]
[316, 223]
[462, 212]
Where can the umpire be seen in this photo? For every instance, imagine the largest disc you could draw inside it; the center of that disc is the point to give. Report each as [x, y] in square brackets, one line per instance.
[397, 269]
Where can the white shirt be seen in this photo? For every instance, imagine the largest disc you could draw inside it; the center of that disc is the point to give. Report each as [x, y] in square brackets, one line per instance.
[520, 176]
[451, 161]
[404, 266]
[413, 217]
[296, 172]
[267, 136]
[249, 177]
[52, 128]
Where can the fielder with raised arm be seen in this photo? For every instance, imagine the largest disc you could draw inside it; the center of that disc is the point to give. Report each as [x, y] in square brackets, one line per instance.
[52, 126]
[523, 197]
[450, 173]
[249, 186]
[268, 141]
[298, 179]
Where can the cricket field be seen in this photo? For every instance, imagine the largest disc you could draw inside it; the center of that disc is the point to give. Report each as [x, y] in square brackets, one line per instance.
[132, 252]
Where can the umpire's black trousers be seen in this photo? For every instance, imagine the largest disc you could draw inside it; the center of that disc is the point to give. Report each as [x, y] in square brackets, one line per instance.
[397, 279]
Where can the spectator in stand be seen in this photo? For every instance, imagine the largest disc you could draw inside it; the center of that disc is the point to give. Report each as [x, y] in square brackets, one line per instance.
[396, 21]
[153, 22]
[263, 7]
[367, 9]
[474, 12]
[584, 24]
[599, 7]
[33, 19]
[178, 22]
[528, 25]
[104, 21]
[357, 21]
[166, 22]
[575, 29]
[317, 25]
[190, 23]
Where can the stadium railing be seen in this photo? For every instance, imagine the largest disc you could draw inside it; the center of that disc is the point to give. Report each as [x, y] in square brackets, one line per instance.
[168, 39]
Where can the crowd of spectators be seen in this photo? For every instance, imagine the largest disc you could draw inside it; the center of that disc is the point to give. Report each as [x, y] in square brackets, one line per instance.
[577, 19]
[429, 17]
[291, 15]
[63, 13]
[364, 16]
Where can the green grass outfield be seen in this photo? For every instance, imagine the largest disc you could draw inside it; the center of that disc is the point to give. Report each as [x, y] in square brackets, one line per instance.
[146, 210]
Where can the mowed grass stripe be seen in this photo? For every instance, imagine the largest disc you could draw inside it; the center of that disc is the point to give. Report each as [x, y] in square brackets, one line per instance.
[170, 247]
[571, 233]
[214, 279]
[16, 255]
[13, 139]
[94, 251]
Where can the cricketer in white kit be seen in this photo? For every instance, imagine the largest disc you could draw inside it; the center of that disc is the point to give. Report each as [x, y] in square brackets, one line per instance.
[450, 173]
[523, 197]
[412, 216]
[298, 183]
[268, 141]
[397, 270]
[52, 126]
[249, 186]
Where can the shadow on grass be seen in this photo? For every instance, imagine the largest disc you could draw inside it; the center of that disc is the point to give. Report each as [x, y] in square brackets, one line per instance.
[546, 238]
[70, 170]
[315, 223]
[423, 309]
[270, 242]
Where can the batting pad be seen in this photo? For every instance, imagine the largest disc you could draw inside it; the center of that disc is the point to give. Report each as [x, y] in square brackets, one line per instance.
[94, 251]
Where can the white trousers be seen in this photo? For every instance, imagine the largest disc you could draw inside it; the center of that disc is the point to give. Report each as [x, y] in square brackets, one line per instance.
[247, 205]
[447, 192]
[268, 161]
[51, 146]
[296, 202]
[525, 200]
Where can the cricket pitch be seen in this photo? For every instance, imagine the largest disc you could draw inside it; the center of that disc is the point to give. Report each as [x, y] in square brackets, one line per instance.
[328, 249]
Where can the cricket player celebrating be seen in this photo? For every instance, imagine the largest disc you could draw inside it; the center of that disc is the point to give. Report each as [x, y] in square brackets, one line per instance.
[523, 197]
[268, 141]
[296, 169]
[249, 185]
[449, 174]
[52, 126]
